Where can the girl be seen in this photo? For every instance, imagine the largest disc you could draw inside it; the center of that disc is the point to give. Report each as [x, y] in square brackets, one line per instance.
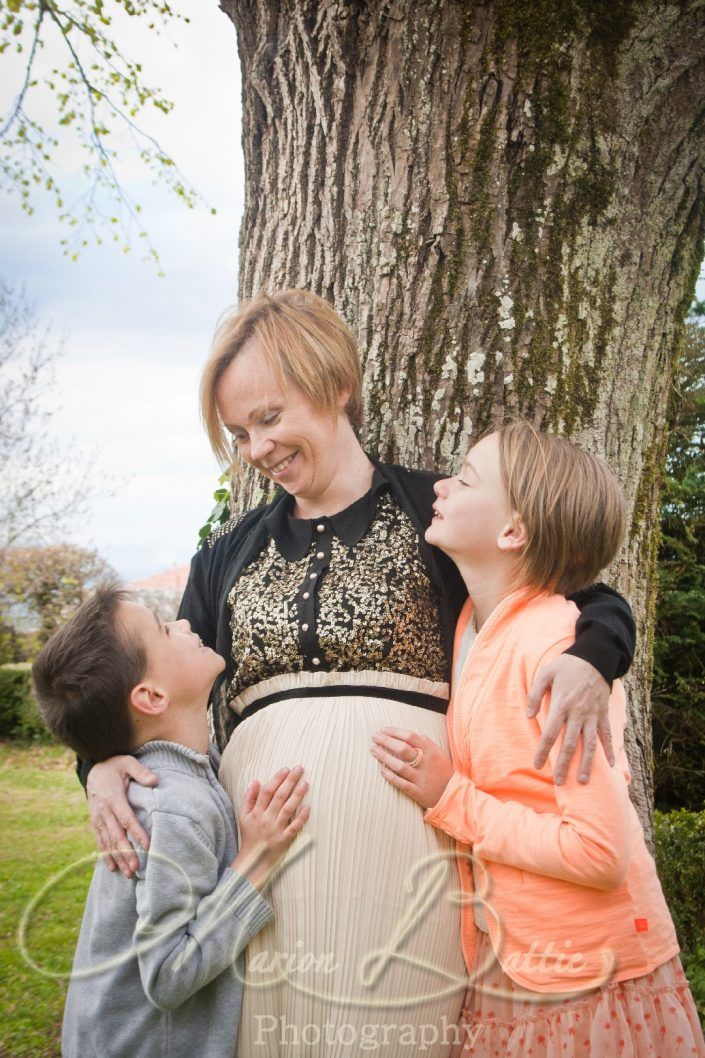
[569, 945]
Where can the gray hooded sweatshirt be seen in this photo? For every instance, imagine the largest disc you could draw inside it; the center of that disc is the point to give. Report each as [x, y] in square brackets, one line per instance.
[159, 962]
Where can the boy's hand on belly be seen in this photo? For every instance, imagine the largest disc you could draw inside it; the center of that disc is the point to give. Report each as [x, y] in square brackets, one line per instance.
[412, 763]
[270, 818]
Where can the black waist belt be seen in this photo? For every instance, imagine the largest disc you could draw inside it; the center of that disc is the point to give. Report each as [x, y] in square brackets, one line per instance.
[424, 701]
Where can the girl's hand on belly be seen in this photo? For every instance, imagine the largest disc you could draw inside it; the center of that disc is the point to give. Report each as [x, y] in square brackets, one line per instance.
[412, 763]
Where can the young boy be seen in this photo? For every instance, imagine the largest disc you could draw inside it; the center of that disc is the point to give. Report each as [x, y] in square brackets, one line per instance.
[158, 966]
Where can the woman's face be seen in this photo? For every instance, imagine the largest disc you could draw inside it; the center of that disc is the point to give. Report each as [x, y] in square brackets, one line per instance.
[278, 430]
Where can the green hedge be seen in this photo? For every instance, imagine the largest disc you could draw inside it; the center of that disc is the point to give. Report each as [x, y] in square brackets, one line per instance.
[19, 717]
[680, 859]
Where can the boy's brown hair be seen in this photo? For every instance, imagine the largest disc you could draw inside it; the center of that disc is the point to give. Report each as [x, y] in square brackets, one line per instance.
[570, 502]
[304, 340]
[83, 677]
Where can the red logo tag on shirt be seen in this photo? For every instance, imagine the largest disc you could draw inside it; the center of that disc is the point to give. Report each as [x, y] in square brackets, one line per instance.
[642, 925]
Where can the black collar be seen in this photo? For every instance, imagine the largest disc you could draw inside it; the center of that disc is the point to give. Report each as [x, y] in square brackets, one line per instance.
[293, 536]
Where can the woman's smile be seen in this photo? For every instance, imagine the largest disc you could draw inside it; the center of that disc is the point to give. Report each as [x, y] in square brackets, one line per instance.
[277, 469]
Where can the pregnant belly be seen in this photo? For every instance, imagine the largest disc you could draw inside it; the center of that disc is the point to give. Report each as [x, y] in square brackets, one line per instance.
[331, 738]
[368, 888]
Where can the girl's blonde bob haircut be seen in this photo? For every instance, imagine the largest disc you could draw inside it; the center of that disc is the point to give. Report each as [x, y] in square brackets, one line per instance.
[304, 340]
[571, 505]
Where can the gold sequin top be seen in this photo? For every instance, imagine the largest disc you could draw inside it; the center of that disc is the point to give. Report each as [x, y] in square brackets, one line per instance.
[337, 593]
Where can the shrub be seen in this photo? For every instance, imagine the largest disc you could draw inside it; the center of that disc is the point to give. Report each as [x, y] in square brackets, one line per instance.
[679, 641]
[680, 859]
[19, 716]
[694, 966]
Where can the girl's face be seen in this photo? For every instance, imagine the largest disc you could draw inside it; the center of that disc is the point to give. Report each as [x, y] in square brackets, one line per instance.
[278, 430]
[473, 517]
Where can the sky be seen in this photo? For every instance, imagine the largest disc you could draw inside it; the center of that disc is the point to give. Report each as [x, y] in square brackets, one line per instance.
[126, 384]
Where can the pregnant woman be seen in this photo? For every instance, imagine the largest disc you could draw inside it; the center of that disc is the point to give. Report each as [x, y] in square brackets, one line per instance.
[336, 618]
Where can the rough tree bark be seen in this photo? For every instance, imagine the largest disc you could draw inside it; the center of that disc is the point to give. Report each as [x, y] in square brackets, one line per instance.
[505, 201]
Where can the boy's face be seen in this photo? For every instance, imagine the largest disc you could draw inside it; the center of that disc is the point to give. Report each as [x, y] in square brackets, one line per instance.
[472, 508]
[177, 660]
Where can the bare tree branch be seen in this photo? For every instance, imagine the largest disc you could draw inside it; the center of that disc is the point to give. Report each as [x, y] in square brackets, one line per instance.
[96, 89]
[44, 489]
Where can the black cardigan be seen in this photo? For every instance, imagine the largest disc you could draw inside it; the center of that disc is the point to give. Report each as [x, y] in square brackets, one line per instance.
[605, 630]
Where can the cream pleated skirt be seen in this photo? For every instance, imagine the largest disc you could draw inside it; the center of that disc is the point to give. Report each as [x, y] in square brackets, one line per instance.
[363, 954]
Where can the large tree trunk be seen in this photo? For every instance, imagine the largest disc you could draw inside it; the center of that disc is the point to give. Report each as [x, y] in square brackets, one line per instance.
[505, 201]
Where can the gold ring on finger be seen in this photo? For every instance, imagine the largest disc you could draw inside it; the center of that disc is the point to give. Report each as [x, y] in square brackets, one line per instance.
[417, 759]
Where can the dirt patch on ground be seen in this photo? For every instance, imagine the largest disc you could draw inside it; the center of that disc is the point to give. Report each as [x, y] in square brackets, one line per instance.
[38, 756]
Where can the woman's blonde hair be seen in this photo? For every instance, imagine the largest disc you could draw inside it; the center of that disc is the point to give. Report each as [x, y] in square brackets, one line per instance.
[304, 340]
[570, 503]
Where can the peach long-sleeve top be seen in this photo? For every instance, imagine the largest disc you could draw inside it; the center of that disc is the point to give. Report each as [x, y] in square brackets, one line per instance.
[570, 893]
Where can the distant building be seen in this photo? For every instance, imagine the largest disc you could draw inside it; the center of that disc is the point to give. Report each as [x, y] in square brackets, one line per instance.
[162, 591]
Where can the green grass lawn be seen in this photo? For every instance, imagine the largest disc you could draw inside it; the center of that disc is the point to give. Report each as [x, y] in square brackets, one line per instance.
[45, 830]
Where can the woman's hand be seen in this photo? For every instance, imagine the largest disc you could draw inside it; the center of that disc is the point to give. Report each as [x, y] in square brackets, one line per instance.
[424, 781]
[269, 820]
[112, 817]
[579, 703]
